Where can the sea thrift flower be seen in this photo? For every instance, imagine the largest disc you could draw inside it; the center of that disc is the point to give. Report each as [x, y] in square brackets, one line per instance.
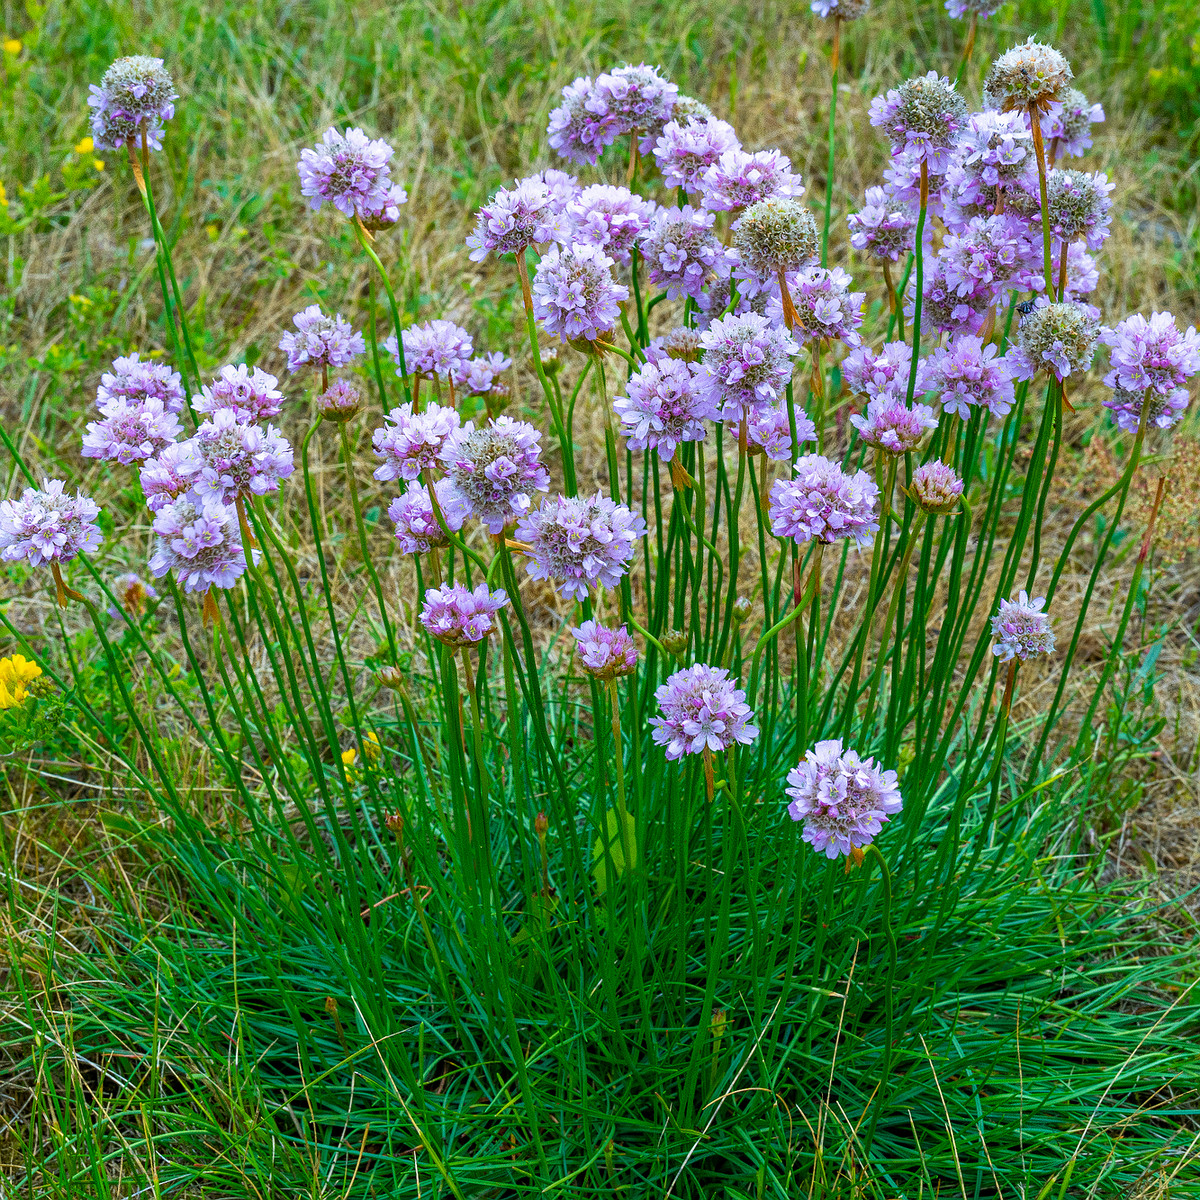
[682, 253]
[843, 800]
[321, 341]
[663, 407]
[513, 220]
[1021, 629]
[133, 593]
[458, 617]
[1150, 354]
[633, 99]
[1078, 206]
[201, 544]
[479, 375]
[134, 379]
[609, 218]
[997, 149]
[438, 348]
[884, 374]
[47, 525]
[575, 294]
[580, 542]
[770, 431]
[1030, 75]
[936, 487]
[605, 653]
[747, 362]
[902, 180]
[495, 469]
[883, 229]
[1067, 124]
[1164, 411]
[417, 529]
[942, 307]
[339, 402]
[1058, 337]
[351, 172]
[966, 374]
[892, 426]
[823, 502]
[845, 10]
[579, 129]
[563, 187]
[239, 459]
[413, 442]
[979, 262]
[828, 310]
[737, 179]
[776, 234]
[680, 342]
[684, 151]
[924, 115]
[136, 95]
[251, 395]
[129, 432]
[981, 9]
[169, 475]
[701, 710]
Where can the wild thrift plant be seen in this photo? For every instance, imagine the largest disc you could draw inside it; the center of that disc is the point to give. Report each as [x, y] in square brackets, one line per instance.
[702, 710]
[892, 426]
[458, 616]
[129, 432]
[663, 407]
[353, 173]
[682, 253]
[437, 349]
[48, 525]
[605, 653]
[924, 116]
[747, 362]
[966, 374]
[417, 528]
[822, 502]
[321, 341]
[1058, 338]
[738, 180]
[248, 393]
[134, 379]
[1021, 629]
[514, 219]
[134, 99]
[496, 469]
[199, 544]
[684, 152]
[575, 295]
[410, 443]
[881, 229]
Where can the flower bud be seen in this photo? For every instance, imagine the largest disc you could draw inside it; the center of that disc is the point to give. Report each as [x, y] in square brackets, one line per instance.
[541, 824]
[550, 363]
[936, 487]
[395, 822]
[391, 677]
[675, 642]
[741, 609]
[340, 402]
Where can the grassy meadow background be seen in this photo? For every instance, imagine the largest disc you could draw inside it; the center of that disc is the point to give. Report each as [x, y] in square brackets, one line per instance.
[144, 1051]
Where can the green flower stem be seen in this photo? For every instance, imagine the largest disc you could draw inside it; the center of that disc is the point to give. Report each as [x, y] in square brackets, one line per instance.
[1039, 150]
[829, 174]
[762, 643]
[888, 987]
[373, 342]
[364, 241]
[628, 836]
[918, 251]
[981, 835]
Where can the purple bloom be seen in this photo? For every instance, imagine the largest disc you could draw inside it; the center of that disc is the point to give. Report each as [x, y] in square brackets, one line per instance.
[458, 617]
[563, 188]
[663, 407]
[1163, 413]
[130, 431]
[169, 476]
[133, 593]
[684, 152]
[134, 379]
[239, 459]
[201, 544]
[251, 395]
[47, 525]
[1060, 338]
[769, 430]
[701, 710]
[495, 469]
[823, 502]
[580, 542]
[603, 652]
[1068, 121]
[1082, 273]
[413, 442]
[883, 229]
[633, 99]
[892, 426]
[577, 130]
[843, 800]
[478, 376]
[827, 308]
[1151, 354]
[575, 294]
[1021, 629]
[845, 10]
[981, 261]
[320, 341]
[884, 374]
[996, 152]
[902, 179]
[941, 305]
[352, 172]
[747, 362]
[966, 374]
[936, 487]
[737, 179]
[339, 402]
[438, 348]
[973, 8]
[1030, 75]
[135, 94]
[514, 219]
[682, 253]
[609, 218]
[417, 529]
[1078, 205]
[925, 115]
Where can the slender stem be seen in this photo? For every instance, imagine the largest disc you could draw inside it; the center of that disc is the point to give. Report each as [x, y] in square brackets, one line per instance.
[833, 65]
[628, 840]
[1039, 149]
[920, 257]
[888, 985]
[364, 240]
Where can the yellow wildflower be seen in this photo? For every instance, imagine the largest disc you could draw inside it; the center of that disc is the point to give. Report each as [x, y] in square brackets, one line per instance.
[348, 757]
[86, 146]
[98, 164]
[3, 197]
[371, 748]
[15, 673]
[12, 46]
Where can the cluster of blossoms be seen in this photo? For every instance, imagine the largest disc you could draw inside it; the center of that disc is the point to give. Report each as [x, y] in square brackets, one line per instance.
[605, 653]
[339, 402]
[774, 235]
[129, 430]
[478, 376]
[575, 295]
[528, 214]
[1060, 338]
[48, 525]
[737, 180]
[936, 487]
[747, 363]
[200, 543]
[496, 469]
[438, 348]
[702, 711]
[892, 426]
[884, 374]
[881, 228]
[1151, 361]
[135, 97]
[352, 172]
[769, 431]
[417, 527]
[968, 374]
[826, 309]
[594, 114]
[410, 443]
[686, 150]
[250, 394]
[822, 502]
[134, 379]
[16, 674]
[663, 407]
[1021, 629]
[320, 342]
[1067, 124]
[682, 253]
[1031, 76]
[924, 115]
[459, 617]
[995, 156]
[843, 800]
[1078, 206]
[238, 459]
[609, 218]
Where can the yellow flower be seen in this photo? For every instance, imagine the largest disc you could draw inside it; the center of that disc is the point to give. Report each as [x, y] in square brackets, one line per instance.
[371, 748]
[12, 46]
[98, 164]
[86, 146]
[3, 197]
[15, 673]
[348, 757]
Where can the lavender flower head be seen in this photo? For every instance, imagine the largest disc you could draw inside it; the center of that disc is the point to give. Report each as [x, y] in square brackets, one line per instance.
[514, 219]
[579, 542]
[1021, 629]
[823, 502]
[924, 115]
[202, 544]
[737, 179]
[892, 426]
[701, 710]
[883, 229]
[577, 130]
[563, 187]
[684, 152]
[1068, 121]
[981, 9]
[250, 394]
[478, 376]
[169, 475]
[410, 443]
[682, 253]
[843, 800]
[47, 525]
[936, 487]
[769, 431]
[942, 307]
[663, 407]
[1078, 206]
[967, 374]
[747, 363]
[1163, 411]
[1150, 355]
[884, 374]
[978, 263]
[340, 402]
[458, 617]
[437, 347]
[609, 218]
[575, 294]
[417, 529]
[129, 431]
[495, 469]
[321, 341]
[351, 171]
[136, 93]
[844, 10]
[828, 310]
[681, 342]
[1030, 75]
[1061, 338]
[997, 152]
[605, 653]
[776, 234]
[132, 593]
[633, 100]
[135, 379]
[239, 459]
